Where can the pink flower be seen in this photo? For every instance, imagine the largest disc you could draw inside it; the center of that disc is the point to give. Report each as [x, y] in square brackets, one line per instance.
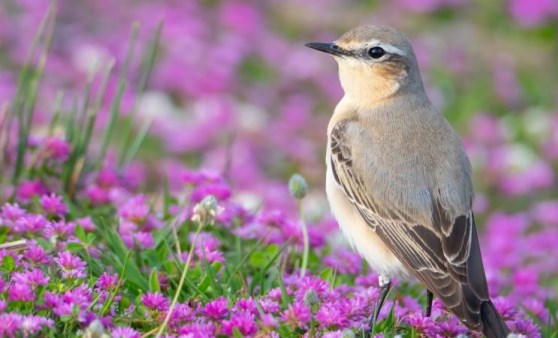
[31, 324]
[313, 283]
[533, 12]
[21, 292]
[107, 281]
[297, 315]
[59, 230]
[181, 314]
[97, 195]
[10, 214]
[334, 314]
[86, 223]
[144, 240]
[525, 327]
[124, 332]
[57, 149]
[35, 254]
[30, 223]
[155, 301]
[9, 324]
[135, 210]
[26, 190]
[247, 305]
[32, 278]
[221, 191]
[216, 309]
[198, 330]
[71, 266]
[53, 204]
[241, 321]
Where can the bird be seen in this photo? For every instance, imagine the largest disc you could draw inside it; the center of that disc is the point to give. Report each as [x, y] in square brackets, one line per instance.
[398, 179]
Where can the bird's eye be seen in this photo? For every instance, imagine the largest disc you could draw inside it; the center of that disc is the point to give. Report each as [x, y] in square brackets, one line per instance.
[376, 52]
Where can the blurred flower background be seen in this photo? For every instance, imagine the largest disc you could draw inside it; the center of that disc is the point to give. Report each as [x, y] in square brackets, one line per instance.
[140, 110]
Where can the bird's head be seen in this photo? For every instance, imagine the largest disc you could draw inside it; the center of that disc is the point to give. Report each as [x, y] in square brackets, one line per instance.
[375, 63]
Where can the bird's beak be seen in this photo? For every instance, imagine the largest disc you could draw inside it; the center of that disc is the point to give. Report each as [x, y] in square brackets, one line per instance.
[329, 48]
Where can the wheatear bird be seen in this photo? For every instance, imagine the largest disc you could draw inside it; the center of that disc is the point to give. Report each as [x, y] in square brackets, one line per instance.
[399, 181]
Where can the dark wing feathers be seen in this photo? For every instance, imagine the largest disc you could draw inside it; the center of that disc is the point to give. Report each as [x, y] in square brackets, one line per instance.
[444, 255]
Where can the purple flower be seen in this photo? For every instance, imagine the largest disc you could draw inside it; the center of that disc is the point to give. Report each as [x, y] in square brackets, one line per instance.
[9, 323]
[269, 305]
[53, 204]
[334, 314]
[135, 209]
[526, 327]
[26, 190]
[181, 314]
[144, 239]
[107, 178]
[242, 321]
[297, 315]
[10, 214]
[419, 322]
[71, 266]
[107, 281]
[30, 324]
[57, 149]
[86, 223]
[313, 283]
[124, 332]
[32, 278]
[97, 195]
[30, 223]
[344, 261]
[216, 309]
[59, 230]
[533, 12]
[268, 320]
[247, 305]
[35, 254]
[221, 191]
[198, 330]
[155, 301]
[21, 292]
[452, 327]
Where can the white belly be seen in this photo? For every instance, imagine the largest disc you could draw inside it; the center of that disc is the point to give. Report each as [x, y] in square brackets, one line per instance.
[360, 236]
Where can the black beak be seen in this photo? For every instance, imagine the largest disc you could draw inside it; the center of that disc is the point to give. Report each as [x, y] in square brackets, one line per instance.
[329, 48]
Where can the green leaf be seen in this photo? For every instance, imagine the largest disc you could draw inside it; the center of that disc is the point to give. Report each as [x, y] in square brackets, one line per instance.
[74, 247]
[8, 263]
[258, 259]
[80, 234]
[236, 333]
[327, 274]
[154, 281]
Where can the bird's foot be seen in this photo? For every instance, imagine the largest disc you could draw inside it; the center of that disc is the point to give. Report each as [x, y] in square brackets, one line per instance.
[385, 285]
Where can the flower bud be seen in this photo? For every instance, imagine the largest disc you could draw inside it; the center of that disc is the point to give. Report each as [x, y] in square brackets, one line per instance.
[298, 186]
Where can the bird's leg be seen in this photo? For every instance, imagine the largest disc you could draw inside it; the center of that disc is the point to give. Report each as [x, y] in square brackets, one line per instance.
[429, 297]
[385, 285]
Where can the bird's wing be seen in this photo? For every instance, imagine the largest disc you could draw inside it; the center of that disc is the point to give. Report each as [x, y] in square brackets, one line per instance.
[444, 255]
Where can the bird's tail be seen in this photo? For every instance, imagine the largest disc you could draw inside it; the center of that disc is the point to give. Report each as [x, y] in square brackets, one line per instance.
[493, 324]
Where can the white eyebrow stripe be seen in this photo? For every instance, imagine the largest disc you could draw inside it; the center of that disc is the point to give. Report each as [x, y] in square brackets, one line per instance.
[392, 49]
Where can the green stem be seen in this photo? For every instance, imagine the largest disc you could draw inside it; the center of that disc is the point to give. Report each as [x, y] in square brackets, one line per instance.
[181, 283]
[120, 279]
[306, 241]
